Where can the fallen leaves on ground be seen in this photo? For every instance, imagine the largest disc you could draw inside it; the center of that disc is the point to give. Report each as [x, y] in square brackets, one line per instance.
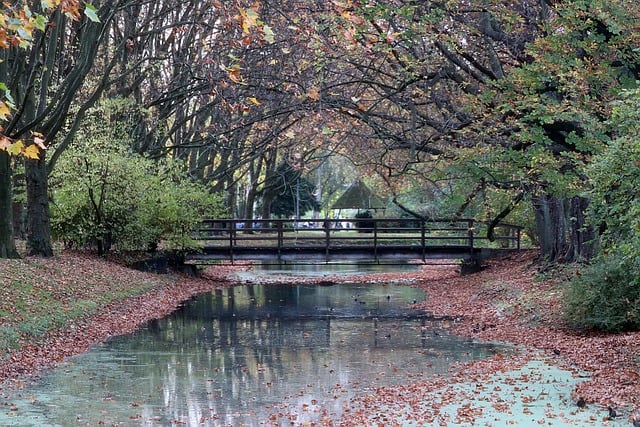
[122, 300]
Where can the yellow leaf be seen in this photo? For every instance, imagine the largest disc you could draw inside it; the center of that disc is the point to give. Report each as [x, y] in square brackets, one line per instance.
[31, 152]
[249, 19]
[15, 148]
[4, 111]
[254, 100]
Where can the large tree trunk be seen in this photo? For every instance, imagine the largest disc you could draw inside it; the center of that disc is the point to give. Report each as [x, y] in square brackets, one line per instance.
[582, 240]
[250, 201]
[39, 225]
[561, 228]
[7, 243]
[19, 206]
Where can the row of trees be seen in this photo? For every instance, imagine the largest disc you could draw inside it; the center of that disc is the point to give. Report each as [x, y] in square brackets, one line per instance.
[491, 105]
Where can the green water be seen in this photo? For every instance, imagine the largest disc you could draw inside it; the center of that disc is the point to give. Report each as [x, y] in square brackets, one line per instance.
[237, 356]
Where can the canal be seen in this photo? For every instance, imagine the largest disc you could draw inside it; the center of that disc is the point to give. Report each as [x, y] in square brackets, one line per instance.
[243, 355]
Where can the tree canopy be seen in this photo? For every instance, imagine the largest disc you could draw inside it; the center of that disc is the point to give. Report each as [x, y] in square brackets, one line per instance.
[492, 109]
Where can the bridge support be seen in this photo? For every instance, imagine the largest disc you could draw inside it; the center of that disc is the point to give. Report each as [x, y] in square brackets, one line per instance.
[470, 266]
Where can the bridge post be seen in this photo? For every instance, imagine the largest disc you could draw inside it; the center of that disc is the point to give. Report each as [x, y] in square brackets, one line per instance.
[375, 241]
[423, 242]
[280, 238]
[470, 233]
[327, 238]
[232, 238]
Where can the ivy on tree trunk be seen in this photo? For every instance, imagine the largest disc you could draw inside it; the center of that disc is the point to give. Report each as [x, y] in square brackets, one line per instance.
[7, 243]
[39, 226]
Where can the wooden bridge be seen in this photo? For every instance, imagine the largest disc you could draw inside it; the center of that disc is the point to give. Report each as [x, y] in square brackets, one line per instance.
[375, 240]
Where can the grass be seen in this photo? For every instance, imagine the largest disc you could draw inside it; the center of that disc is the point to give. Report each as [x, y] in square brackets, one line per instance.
[38, 296]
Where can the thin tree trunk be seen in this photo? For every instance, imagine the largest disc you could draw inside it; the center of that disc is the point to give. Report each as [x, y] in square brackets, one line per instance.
[582, 240]
[7, 242]
[254, 173]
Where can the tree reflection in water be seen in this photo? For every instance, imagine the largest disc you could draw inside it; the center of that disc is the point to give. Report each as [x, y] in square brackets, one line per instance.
[238, 355]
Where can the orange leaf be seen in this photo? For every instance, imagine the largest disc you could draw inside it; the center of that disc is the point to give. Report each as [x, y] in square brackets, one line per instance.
[4, 110]
[4, 142]
[313, 93]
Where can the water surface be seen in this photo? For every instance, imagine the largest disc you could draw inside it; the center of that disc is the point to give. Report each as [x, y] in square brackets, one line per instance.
[243, 355]
[335, 268]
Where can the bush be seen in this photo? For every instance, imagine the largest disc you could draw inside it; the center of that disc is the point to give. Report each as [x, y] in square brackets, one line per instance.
[126, 200]
[103, 193]
[604, 296]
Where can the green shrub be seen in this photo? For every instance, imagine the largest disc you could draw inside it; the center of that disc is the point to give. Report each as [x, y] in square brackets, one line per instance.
[604, 296]
[104, 194]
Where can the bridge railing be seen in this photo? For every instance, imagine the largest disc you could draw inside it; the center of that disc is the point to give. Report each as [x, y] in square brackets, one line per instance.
[375, 234]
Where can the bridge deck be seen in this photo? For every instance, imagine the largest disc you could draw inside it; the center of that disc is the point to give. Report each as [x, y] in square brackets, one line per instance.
[331, 241]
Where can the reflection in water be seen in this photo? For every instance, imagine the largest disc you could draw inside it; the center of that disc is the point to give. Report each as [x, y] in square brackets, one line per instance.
[237, 356]
[336, 268]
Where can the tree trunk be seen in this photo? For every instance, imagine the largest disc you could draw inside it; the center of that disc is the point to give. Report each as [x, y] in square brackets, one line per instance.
[582, 240]
[255, 169]
[250, 201]
[266, 207]
[39, 226]
[19, 206]
[231, 197]
[561, 228]
[7, 242]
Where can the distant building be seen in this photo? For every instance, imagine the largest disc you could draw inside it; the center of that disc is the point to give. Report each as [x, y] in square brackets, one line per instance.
[359, 196]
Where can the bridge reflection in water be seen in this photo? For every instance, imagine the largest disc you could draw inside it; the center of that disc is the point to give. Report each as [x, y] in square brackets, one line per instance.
[286, 240]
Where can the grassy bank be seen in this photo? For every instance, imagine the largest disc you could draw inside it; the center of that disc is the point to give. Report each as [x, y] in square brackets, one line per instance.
[41, 295]
[53, 308]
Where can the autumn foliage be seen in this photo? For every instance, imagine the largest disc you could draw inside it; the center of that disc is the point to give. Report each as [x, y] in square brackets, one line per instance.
[18, 23]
